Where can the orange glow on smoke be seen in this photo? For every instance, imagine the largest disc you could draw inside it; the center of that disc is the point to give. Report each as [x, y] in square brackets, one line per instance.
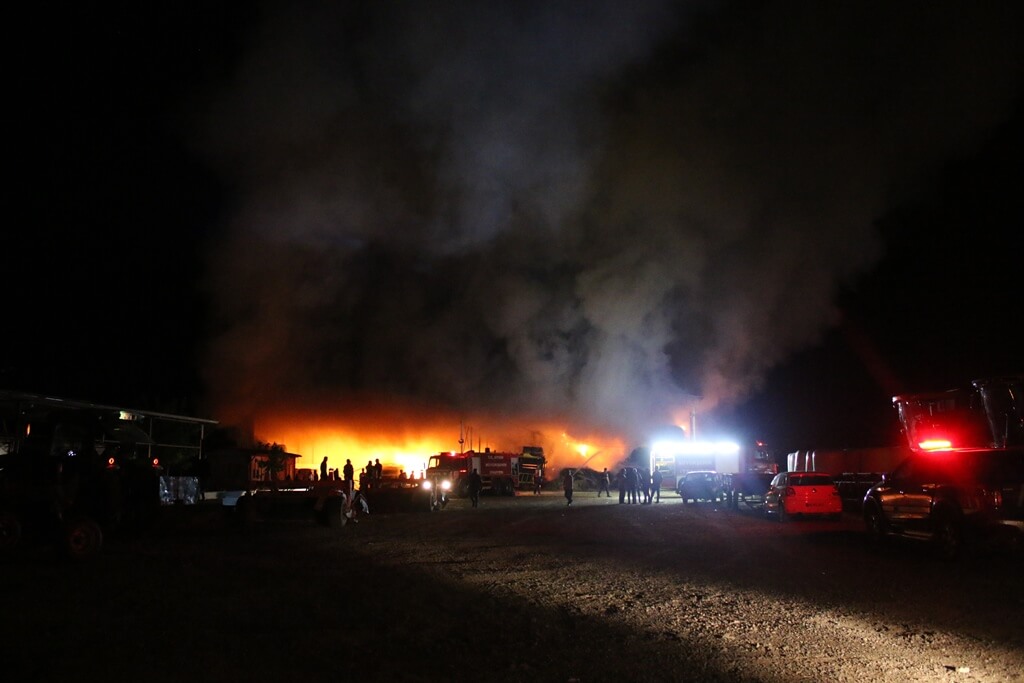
[405, 439]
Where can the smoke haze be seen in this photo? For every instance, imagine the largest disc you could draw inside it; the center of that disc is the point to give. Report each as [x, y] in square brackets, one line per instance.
[591, 211]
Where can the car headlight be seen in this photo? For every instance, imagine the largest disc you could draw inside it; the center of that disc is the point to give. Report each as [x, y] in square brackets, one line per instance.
[446, 485]
[427, 484]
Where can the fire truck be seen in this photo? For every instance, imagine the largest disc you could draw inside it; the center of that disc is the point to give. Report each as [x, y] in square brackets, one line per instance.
[502, 472]
[747, 470]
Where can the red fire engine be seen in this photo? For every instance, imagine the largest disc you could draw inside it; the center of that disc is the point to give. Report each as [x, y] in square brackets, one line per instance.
[502, 473]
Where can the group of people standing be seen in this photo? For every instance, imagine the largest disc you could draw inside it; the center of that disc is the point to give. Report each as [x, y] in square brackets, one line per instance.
[372, 473]
[637, 486]
[347, 473]
[367, 476]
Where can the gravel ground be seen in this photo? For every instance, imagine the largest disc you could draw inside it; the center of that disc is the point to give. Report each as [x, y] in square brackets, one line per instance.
[520, 589]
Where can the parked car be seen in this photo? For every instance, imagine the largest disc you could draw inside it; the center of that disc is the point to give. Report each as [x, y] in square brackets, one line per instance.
[706, 485]
[803, 493]
[950, 497]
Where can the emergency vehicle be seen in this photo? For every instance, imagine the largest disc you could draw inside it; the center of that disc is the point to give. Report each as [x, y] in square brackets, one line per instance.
[747, 471]
[502, 472]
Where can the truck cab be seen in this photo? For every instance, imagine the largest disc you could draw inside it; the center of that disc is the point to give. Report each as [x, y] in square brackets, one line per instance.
[964, 477]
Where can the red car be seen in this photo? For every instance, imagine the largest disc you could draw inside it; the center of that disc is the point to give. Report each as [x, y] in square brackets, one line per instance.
[803, 493]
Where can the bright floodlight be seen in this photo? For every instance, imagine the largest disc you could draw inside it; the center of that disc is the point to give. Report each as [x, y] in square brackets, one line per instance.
[695, 447]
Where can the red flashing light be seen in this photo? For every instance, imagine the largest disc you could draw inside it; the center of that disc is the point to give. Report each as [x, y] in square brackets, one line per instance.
[156, 462]
[935, 445]
[111, 462]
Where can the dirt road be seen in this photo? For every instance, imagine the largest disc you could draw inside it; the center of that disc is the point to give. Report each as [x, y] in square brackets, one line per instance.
[520, 589]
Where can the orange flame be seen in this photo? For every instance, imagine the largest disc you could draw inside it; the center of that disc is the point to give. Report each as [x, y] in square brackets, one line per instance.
[405, 439]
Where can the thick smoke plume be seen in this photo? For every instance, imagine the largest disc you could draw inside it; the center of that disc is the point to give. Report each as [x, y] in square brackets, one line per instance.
[592, 210]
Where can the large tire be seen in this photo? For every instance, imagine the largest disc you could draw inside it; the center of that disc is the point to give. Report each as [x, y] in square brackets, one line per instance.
[334, 513]
[82, 539]
[874, 524]
[948, 536]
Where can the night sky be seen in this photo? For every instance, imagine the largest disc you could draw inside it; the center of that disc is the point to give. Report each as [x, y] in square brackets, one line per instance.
[600, 211]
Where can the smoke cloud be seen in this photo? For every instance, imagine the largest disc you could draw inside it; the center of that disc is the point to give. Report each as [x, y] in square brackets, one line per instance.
[596, 210]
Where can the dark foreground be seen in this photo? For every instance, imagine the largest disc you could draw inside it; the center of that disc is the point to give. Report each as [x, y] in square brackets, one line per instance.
[521, 589]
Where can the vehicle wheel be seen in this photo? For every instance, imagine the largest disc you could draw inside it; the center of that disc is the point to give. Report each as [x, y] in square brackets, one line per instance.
[10, 531]
[949, 538]
[874, 524]
[83, 538]
[334, 513]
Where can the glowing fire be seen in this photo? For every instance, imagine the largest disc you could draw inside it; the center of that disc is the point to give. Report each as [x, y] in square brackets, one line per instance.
[313, 439]
[406, 439]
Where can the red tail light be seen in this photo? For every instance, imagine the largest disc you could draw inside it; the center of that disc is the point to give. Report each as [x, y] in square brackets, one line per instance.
[790, 491]
[110, 463]
[156, 462]
[835, 490]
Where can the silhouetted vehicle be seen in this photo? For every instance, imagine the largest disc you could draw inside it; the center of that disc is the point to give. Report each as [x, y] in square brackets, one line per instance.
[705, 485]
[262, 482]
[746, 469]
[950, 497]
[71, 471]
[802, 493]
[963, 479]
